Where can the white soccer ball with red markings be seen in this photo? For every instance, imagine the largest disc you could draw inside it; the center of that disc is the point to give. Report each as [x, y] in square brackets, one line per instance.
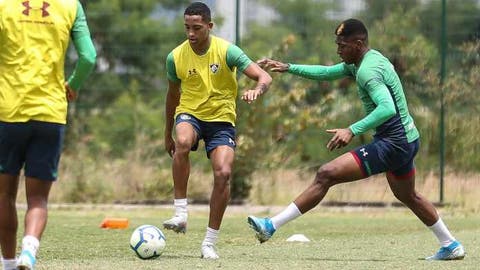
[148, 242]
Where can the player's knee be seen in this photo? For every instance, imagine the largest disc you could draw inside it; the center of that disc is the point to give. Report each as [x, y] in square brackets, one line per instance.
[8, 199]
[406, 197]
[37, 201]
[222, 175]
[324, 176]
[183, 145]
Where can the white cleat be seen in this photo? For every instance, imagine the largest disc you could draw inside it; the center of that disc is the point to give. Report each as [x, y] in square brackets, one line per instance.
[178, 224]
[209, 252]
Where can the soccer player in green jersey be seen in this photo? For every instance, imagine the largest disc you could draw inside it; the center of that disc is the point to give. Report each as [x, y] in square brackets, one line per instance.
[201, 103]
[34, 37]
[394, 145]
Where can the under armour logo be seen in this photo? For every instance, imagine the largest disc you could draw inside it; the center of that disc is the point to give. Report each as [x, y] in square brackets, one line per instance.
[44, 7]
[365, 153]
[230, 141]
[192, 72]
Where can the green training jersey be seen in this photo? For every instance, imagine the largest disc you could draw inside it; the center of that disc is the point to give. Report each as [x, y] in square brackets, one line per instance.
[380, 91]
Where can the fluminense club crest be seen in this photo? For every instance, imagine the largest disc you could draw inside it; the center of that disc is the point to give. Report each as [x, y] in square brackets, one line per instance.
[214, 68]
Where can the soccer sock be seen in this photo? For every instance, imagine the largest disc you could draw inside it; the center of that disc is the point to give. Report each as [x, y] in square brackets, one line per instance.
[288, 214]
[442, 233]
[180, 207]
[9, 264]
[31, 244]
[211, 237]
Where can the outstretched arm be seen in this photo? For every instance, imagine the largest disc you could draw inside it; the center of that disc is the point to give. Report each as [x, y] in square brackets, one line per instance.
[314, 72]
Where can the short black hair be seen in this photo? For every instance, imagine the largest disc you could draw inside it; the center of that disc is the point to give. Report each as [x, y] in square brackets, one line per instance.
[199, 8]
[352, 28]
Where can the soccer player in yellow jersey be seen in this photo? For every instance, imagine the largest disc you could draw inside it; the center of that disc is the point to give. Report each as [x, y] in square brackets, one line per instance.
[34, 36]
[201, 99]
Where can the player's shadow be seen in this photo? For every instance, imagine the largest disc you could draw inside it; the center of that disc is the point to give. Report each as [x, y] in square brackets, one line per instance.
[180, 256]
[343, 259]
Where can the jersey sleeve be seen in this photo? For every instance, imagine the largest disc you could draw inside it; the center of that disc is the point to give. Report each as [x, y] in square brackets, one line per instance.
[171, 69]
[85, 49]
[380, 95]
[320, 73]
[80, 26]
[237, 58]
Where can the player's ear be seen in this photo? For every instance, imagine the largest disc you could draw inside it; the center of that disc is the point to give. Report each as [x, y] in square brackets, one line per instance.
[359, 43]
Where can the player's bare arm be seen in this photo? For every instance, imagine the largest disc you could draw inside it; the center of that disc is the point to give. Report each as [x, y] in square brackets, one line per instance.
[341, 137]
[173, 99]
[273, 65]
[254, 72]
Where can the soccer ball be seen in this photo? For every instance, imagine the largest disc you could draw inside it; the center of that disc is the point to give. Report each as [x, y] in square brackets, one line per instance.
[148, 242]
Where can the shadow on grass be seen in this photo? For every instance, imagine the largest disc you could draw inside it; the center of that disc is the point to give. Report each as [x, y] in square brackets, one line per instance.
[343, 260]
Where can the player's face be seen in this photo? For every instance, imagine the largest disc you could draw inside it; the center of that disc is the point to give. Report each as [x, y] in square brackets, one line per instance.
[197, 30]
[348, 50]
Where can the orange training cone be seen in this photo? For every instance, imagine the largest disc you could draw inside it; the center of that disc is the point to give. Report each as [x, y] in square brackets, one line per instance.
[114, 223]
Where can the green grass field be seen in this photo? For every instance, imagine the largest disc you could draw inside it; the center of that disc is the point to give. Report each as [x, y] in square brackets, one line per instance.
[389, 238]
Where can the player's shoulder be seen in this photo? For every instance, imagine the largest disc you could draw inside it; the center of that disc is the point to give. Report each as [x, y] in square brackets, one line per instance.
[220, 40]
[372, 61]
[373, 57]
[181, 46]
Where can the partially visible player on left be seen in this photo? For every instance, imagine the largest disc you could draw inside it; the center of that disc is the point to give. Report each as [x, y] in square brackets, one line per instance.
[34, 37]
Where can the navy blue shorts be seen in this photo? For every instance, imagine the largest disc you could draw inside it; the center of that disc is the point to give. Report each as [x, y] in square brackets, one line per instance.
[385, 156]
[213, 133]
[34, 145]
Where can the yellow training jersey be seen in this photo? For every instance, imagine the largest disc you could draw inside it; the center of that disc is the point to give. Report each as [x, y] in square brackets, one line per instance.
[34, 37]
[208, 85]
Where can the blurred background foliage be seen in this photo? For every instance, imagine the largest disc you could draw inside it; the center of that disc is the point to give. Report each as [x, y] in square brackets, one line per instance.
[114, 144]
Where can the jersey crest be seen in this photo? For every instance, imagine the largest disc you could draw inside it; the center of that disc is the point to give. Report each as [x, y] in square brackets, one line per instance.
[214, 68]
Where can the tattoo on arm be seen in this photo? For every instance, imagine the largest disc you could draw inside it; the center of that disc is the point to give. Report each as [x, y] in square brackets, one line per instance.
[262, 87]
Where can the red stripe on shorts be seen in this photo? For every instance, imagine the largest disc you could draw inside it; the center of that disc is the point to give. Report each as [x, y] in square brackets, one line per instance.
[404, 176]
[359, 162]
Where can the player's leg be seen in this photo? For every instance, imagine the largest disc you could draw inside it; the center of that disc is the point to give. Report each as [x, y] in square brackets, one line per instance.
[220, 144]
[37, 192]
[186, 138]
[340, 170]
[403, 187]
[222, 162]
[345, 168]
[404, 190]
[13, 141]
[41, 166]
[8, 220]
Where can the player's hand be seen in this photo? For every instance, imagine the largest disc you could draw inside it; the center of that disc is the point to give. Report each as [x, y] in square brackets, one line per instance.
[273, 65]
[169, 145]
[71, 94]
[340, 138]
[251, 95]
